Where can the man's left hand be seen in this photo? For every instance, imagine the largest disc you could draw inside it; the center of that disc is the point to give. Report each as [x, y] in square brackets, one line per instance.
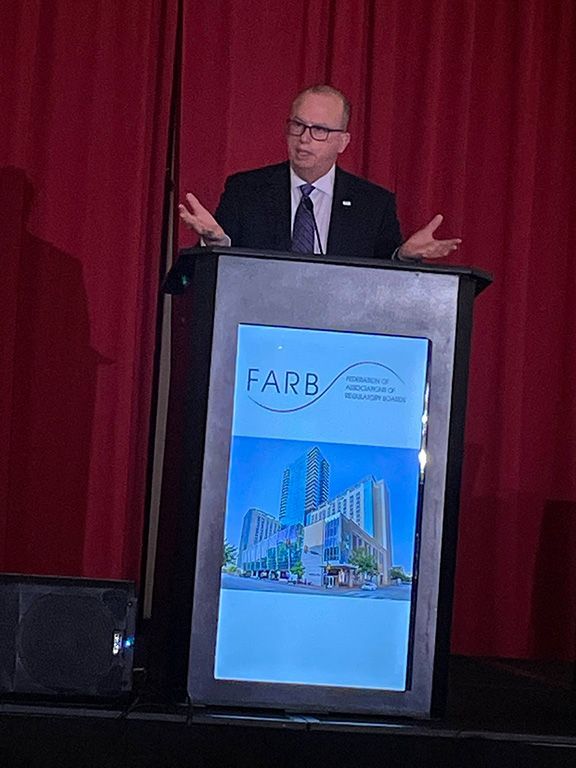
[423, 245]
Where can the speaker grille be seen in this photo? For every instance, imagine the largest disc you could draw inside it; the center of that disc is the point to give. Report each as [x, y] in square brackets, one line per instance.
[66, 636]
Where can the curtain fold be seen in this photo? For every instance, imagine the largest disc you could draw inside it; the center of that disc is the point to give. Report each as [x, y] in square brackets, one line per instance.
[85, 106]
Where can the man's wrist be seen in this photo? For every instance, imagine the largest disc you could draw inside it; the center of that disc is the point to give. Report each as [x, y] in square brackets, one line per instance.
[216, 242]
[400, 255]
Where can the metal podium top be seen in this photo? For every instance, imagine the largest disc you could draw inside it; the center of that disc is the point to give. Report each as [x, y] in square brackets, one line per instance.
[179, 276]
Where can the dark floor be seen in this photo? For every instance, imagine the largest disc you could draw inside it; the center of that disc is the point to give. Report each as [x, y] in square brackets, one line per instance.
[499, 713]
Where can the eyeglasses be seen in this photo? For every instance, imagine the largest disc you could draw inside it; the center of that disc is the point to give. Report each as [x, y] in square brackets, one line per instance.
[317, 132]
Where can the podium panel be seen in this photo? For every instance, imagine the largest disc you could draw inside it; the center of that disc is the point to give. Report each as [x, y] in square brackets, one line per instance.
[327, 482]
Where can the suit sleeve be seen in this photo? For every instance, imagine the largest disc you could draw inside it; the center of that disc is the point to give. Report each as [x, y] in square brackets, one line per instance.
[229, 211]
[389, 236]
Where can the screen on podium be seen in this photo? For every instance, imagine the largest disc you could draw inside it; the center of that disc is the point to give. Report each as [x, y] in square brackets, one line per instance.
[320, 553]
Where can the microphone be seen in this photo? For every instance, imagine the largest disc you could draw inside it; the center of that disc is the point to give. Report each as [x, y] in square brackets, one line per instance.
[310, 207]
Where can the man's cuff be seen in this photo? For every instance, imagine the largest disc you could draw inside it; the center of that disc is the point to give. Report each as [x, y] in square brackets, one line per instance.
[222, 242]
[397, 256]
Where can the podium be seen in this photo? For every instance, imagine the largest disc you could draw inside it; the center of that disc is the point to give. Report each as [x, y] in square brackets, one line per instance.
[325, 421]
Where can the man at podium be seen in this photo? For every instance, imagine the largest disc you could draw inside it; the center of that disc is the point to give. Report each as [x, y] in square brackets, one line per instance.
[308, 204]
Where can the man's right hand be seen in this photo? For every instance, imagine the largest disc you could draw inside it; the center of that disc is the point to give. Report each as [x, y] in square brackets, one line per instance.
[201, 221]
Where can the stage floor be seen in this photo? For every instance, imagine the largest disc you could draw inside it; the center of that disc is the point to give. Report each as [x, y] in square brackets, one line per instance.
[499, 713]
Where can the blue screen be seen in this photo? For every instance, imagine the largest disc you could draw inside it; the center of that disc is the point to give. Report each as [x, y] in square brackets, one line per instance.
[325, 476]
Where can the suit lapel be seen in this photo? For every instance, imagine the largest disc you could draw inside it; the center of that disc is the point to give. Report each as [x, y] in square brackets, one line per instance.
[277, 195]
[340, 216]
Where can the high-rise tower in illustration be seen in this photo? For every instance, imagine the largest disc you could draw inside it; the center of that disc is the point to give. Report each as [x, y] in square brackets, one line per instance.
[305, 485]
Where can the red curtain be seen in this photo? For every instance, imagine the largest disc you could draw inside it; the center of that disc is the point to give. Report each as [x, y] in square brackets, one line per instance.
[460, 106]
[83, 145]
[464, 107]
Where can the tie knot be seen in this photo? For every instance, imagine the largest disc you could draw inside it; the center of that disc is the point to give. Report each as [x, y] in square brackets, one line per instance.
[306, 189]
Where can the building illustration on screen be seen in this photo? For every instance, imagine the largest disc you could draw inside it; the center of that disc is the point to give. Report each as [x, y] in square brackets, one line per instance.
[343, 541]
[305, 485]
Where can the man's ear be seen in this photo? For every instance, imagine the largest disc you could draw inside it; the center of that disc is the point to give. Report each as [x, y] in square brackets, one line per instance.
[344, 141]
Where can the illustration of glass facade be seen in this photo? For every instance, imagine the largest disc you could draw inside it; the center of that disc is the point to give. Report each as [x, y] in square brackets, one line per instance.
[326, 534]
[280, 552]
[305, 485]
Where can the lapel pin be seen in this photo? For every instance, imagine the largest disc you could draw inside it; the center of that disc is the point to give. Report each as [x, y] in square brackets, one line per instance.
[347, 203]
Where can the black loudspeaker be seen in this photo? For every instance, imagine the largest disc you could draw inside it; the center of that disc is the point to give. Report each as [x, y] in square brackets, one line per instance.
[66, 636]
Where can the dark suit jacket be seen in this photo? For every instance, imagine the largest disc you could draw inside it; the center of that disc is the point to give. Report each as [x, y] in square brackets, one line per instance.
[254, 211]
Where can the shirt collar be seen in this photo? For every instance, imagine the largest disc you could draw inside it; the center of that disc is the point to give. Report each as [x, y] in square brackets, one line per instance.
[324, 183]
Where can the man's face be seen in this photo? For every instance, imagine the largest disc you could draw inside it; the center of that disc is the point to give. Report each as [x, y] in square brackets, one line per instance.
[309, 158]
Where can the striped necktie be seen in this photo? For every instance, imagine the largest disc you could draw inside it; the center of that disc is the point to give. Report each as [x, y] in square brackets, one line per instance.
[303, 233]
